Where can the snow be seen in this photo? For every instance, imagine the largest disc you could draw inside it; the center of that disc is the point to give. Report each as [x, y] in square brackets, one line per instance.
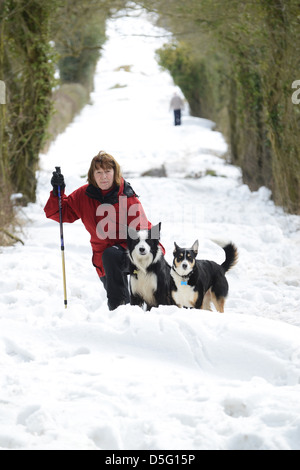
[87, 378]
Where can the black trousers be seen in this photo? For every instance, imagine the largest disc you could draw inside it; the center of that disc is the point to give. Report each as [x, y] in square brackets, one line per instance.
[116, 265]
[177, 117]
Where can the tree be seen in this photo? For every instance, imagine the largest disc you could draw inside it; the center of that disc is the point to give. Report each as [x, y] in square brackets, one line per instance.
[250, 50]
[33, 33]
[26, 63]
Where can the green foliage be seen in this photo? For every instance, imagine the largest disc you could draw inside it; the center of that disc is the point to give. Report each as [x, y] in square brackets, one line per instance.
[249, 55]
[189, 74]
[79, 57]
[34, 34]
[28, 69]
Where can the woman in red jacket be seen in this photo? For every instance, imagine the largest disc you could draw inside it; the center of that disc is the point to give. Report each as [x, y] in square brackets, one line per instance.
[106, 206]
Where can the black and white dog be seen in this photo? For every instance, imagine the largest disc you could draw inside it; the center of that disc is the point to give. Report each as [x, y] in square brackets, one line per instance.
[197, 283]
[149, 270]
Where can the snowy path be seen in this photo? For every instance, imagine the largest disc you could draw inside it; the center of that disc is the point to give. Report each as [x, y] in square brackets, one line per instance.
[87, 378]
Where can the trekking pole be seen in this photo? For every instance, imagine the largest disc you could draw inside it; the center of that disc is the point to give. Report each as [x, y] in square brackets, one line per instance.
[57, 168]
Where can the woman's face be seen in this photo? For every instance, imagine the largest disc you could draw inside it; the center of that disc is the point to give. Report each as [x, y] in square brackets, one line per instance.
[104, 178]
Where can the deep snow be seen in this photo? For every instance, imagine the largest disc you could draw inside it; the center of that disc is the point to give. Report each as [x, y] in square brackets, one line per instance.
[87, 378]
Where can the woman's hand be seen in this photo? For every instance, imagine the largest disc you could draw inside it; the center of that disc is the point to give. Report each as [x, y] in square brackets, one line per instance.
[57, 180]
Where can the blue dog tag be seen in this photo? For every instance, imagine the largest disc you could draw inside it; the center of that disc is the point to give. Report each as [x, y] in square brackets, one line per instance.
[184, 283]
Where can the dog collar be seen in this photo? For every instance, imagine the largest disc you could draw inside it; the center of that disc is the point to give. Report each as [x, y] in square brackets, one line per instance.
[185, 278]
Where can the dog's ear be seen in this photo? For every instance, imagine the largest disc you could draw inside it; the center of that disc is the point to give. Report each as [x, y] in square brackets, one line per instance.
[132, 233]
[195, 247]
[158, 227]
[155, 231]
[176, 248]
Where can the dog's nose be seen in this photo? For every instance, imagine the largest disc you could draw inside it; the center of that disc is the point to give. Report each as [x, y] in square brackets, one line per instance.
[142, 250]
[184, 266]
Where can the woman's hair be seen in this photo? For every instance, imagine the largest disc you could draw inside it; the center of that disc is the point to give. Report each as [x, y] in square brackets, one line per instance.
[105, 161]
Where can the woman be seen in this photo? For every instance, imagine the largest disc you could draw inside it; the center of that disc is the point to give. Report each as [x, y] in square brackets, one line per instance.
[106, 206]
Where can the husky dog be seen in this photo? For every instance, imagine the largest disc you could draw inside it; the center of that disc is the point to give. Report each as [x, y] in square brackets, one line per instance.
[149, 271]
[197, 283]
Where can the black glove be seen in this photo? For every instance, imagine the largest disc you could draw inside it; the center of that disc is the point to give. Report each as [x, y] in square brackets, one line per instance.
[57, 180]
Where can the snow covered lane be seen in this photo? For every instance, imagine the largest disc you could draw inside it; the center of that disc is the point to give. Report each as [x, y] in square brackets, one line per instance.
[161, 380]
[87, 378]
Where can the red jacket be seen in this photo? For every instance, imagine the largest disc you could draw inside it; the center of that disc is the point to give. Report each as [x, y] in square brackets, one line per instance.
[105, 217]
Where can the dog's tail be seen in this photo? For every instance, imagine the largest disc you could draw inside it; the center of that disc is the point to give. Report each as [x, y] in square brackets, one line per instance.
[232, 256]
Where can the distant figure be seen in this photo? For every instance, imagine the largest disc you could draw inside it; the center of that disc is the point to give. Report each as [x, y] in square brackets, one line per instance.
[177, 104]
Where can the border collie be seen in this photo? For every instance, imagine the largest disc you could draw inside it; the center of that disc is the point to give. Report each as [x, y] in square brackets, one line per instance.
[149, 271]
[197, 283]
